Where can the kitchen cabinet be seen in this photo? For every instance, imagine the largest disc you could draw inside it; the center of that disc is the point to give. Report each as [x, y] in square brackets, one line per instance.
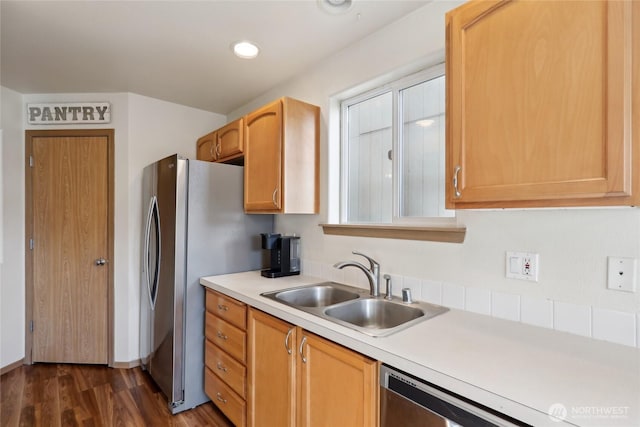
[230, 142]
[225, 355]
[543, 104]
[224, 145]
[205, 147]
[296, 378]
[281, 142]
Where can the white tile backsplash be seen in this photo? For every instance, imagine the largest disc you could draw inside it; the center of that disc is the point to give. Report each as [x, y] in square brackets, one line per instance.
[478, 300]
[311, 268]
[614, 326]
[638, 330]
[453, 296]
[505, 306]
[335, 274]
[572, 318]
[355, 277]
[609, 325]
[431, 291]
[536, 311]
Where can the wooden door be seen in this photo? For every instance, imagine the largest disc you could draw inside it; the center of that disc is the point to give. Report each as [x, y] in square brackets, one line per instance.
[263, 159]
[69, 224]
[271, 366]
[539, 103]
[336, 386]
[229, 144]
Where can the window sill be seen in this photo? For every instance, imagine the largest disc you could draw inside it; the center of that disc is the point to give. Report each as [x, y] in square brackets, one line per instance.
[432, 234]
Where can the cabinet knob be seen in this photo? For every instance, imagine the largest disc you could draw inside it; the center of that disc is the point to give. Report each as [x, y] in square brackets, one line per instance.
[221, 335]
[223, 307]
[221, 367]
[220, 398]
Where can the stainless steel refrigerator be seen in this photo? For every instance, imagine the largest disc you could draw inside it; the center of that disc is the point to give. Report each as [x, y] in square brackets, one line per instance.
[194, 225]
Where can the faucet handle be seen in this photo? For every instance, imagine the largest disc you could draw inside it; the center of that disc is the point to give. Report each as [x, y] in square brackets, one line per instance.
[372, 262]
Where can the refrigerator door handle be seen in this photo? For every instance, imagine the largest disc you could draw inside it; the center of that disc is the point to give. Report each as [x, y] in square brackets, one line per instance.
[153, 217]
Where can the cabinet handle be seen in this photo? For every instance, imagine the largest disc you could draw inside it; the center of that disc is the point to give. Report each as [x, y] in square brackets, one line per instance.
[273, 197]
[304, 340]
[223, 307]
[221, 335]
[220, 398]
[213, 155]
[218, 150]
[456, 171]
[221, 367]
[286, 341]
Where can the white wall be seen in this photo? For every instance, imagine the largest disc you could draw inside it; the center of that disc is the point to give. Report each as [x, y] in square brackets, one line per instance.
[146, 129]
[156, 129]
[573, 244]
[12, 274]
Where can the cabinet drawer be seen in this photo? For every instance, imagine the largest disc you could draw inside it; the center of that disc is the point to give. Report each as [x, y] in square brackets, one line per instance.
[225, 399]
[228, 309]
[227, 368]
[227, 337]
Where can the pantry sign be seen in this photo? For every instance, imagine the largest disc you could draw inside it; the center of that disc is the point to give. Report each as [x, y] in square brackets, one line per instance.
[69, 113]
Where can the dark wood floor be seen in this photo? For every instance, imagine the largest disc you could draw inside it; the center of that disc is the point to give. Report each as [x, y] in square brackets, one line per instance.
[87, 395]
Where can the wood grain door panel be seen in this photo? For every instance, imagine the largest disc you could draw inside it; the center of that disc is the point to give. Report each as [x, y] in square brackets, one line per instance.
[263, 159]
[539, 101]
[271, 395]
[337, 386]
[70, 232]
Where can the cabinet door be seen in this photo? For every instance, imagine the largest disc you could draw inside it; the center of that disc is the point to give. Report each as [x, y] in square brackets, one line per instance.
[263, 159]
[337, 386]
[539, 103]
[205, 147]
[229, 141]
[271, 370]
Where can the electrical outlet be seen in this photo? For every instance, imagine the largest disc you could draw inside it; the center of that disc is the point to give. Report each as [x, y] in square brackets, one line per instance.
[621, 275]
[522, 265]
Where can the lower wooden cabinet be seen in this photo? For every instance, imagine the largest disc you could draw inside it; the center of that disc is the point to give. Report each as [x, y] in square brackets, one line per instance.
[225, 373]
[296, 378]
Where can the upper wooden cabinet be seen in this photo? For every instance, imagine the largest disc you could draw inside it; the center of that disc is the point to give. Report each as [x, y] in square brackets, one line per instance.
[205, 147]
[281, 158]
[543, 100]
[230, 141]
[223, 145]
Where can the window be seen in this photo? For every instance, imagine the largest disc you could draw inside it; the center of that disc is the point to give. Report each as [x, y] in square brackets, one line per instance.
[392, 152]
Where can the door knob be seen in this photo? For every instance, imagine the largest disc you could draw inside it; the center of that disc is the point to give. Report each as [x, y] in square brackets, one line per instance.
[101, 261]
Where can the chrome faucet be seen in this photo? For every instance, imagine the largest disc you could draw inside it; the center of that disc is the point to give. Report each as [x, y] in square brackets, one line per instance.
[372, 273]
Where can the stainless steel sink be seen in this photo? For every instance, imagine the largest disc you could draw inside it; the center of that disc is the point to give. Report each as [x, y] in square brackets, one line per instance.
[374, 313]
[355, 308]
[320, 295]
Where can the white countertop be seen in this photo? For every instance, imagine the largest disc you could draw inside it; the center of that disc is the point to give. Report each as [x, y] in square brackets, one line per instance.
[517, 369]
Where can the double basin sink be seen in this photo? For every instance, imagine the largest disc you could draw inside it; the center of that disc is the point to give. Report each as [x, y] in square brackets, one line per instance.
[355, 308]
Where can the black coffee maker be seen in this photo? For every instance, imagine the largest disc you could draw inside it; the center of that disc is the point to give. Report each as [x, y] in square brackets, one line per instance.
[285, 255]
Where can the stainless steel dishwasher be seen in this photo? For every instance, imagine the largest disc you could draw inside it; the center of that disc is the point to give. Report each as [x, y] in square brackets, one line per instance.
[408, 401]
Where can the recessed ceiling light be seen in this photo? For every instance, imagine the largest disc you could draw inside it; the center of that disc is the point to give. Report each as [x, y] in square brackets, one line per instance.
[245, 49]
[335, 7]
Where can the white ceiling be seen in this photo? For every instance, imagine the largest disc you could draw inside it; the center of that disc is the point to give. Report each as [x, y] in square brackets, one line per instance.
[175, 50]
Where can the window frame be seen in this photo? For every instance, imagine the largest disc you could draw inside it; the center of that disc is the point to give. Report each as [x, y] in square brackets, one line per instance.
[394, 86]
